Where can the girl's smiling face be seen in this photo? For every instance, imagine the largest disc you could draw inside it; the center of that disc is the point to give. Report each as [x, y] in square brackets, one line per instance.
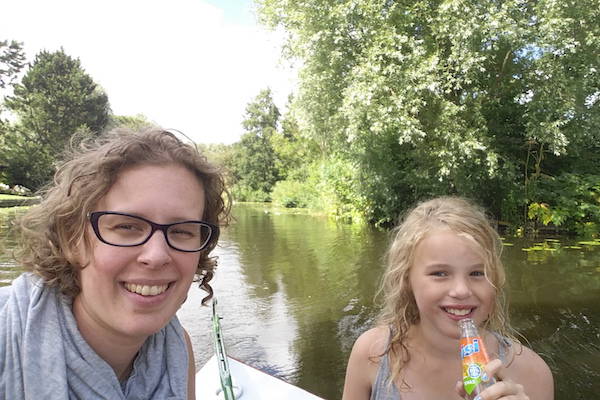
[448, 281]
[132, 292]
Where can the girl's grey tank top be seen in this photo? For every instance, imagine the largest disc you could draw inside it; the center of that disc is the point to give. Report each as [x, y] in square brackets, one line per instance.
[381, 390]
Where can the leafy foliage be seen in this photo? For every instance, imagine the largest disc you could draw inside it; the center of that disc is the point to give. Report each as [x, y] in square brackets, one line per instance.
[294, 194]
[133, 122]
[478, 98]
[577, 208]
[54, 100]
[254, 169]
[12, 61]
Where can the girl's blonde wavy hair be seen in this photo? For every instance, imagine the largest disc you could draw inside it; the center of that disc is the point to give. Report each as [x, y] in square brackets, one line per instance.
[399, 311]
[52, 231]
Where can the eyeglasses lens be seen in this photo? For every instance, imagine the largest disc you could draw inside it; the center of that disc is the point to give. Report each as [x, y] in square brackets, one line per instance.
[188, 235]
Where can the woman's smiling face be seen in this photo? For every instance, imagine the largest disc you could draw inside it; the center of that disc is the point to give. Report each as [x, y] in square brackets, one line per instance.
[132, 292]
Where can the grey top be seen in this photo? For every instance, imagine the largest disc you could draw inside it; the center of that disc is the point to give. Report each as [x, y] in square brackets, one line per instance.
[44, 356]
[381, 390]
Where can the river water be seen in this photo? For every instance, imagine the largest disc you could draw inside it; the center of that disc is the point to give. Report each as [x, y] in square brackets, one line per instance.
[296, 290]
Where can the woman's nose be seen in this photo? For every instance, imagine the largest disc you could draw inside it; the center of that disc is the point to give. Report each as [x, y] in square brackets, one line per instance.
[156, 251]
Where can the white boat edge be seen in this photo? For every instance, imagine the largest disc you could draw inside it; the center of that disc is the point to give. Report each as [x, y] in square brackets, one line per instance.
[254, 384]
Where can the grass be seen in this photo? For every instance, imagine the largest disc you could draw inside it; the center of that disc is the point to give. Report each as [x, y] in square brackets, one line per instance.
[10, 200]
[12, 197]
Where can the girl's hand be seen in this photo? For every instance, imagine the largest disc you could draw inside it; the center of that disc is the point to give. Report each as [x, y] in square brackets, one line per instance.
[504, 388]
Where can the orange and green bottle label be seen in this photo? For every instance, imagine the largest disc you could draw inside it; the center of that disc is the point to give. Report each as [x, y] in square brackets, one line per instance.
[474, 359]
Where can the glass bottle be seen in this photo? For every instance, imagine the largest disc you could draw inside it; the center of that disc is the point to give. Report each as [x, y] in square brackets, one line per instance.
[474, 358]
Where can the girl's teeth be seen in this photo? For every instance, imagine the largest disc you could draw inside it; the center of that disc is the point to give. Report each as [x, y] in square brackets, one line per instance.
[146, 290]
[457, 311]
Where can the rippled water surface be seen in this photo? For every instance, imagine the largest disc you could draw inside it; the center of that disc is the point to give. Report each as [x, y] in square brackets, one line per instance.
[296, 290]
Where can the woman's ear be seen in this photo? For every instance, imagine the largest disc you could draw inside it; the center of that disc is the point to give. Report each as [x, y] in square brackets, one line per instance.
[81, 253]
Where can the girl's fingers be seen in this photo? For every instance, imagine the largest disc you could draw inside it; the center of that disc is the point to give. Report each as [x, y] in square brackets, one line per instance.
[494, 369]
[504, 390]
[490, 370]
[460, 389]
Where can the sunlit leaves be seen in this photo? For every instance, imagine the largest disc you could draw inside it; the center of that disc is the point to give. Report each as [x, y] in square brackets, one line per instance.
[468, 90]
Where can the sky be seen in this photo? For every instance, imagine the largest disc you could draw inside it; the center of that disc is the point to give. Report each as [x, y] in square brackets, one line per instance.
[190, 65]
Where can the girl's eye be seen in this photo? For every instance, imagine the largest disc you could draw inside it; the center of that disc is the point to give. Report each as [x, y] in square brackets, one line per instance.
[478, 273]
[439, 273]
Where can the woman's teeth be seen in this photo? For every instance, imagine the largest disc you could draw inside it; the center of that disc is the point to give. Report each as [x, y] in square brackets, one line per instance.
[146, 290]
[457, 311]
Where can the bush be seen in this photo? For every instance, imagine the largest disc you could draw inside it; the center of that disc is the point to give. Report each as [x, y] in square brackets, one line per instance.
[240, 192]
[17, 190]
[569, 200]
[294, 194]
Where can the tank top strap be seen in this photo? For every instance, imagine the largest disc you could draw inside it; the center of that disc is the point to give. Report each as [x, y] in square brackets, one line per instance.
[382, 388]
[504, 346]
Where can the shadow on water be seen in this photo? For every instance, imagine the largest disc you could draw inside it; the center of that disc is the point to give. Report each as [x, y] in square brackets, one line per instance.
[295, 291]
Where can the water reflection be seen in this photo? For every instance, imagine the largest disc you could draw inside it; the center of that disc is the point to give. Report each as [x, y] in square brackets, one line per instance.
[326, 275]
[554, 294]
[295, 291]
[8, 270]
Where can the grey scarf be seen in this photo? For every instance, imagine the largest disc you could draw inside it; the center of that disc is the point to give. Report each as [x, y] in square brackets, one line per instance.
[43, 355]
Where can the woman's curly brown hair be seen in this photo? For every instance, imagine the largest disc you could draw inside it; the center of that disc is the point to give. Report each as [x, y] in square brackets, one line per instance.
[53, 231]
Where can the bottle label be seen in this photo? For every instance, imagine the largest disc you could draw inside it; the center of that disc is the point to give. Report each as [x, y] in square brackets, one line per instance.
[474, 359]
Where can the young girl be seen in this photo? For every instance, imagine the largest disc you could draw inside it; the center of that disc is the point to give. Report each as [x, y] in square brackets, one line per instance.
[110, 254]
[442, 266]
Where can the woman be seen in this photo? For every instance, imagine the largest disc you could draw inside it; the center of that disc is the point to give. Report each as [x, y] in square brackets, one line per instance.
[111, 252]
[443, 266]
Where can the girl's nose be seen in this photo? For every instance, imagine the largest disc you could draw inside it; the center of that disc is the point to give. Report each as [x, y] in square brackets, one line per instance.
[460, 288]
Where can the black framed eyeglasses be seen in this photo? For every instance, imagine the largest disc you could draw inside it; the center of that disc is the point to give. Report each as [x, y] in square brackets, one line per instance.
[126, 230]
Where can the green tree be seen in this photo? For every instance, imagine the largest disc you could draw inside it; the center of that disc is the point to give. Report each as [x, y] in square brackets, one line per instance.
[134, 122]
[295, 152]
[298, 159]
[222, 155]
[255, 166]
[12, 61]
[55, 99]
[421, 98]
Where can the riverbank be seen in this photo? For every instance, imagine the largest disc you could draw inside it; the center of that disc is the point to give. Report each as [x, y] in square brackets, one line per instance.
[272, 208]
[9, 200]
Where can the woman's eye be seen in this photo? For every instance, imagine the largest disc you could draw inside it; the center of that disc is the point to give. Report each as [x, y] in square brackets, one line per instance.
[478, 273]
[128, 227]
[181, 232]
[439, 273]
[125, 227]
